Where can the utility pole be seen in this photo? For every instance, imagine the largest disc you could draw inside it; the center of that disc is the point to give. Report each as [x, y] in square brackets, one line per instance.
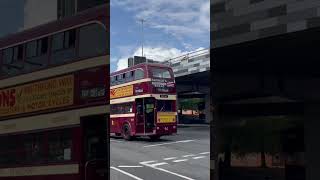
[142, 21]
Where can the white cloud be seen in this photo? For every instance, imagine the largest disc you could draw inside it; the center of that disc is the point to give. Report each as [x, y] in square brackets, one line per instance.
[158, 53]
[122, 63]
[186, 18]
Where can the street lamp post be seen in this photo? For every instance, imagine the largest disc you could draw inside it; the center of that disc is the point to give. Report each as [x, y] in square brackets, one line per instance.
[142, 21]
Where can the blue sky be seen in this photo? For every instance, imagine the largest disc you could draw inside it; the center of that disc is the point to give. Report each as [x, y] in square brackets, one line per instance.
[172, 28]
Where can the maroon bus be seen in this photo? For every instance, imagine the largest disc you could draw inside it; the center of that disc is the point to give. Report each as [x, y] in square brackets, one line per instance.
[143, 101]
[53, 108]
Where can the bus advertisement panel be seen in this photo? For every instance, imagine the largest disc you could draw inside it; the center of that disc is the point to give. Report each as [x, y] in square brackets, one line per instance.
[41, 95]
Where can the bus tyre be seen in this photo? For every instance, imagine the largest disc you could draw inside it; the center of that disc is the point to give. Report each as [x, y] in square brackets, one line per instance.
[126, 132]
[154, 137]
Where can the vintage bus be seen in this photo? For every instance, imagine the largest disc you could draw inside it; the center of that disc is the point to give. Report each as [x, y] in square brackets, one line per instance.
[143, 101]
[54, 96]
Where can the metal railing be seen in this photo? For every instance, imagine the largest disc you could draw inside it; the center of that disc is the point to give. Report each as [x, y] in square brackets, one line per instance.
[187, 56]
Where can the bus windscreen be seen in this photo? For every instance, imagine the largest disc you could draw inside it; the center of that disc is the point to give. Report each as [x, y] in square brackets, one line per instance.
[161, 73]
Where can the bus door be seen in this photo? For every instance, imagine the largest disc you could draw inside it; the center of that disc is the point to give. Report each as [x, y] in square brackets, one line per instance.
[95, 148]
[139, 116]
[145, 114]
[149, 113]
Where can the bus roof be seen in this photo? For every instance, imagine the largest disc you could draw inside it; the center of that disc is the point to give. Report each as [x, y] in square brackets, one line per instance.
[98, 13]
[139, 66]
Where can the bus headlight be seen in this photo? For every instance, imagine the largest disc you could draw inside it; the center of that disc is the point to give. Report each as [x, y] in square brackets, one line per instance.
[174, 127]
[158, 128]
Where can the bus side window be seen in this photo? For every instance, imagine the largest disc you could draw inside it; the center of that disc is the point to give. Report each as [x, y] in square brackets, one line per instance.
[139, 107]
[63, 47]
[112, 80]
[139, 74]
[36, 54]
[128, 77]
[12, 60]
[119, 78]
[92, 40]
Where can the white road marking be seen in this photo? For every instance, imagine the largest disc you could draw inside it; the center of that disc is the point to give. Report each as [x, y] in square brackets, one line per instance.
[176, 174]
[204, 153]
[184, 141]
[158, 164]
[147, 162]
[169, 172]
[129, 166]
[180, 160]
[199, 157]
[169, 158]
[126, 173]
[189, 155]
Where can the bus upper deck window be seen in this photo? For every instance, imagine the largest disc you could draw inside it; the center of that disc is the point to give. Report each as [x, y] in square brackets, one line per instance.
[160, 73]
[31, 49]
[7, 56]
[138, 74]
[17, 53]
[42, 46]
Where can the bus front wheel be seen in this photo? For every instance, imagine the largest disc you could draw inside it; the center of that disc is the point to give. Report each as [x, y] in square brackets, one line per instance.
[126, 132]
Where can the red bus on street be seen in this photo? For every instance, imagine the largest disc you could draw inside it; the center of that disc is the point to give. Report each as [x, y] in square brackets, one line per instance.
[143, 101]
[53, 100]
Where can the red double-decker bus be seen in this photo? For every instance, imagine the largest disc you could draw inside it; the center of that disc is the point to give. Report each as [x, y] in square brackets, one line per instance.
[143, 101]
[54, 88]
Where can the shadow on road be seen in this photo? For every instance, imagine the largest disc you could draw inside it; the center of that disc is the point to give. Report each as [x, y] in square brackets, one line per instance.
[143, 139]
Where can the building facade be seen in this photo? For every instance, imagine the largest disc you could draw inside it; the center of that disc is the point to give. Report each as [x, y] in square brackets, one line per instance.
[236, 21]
[265, 79]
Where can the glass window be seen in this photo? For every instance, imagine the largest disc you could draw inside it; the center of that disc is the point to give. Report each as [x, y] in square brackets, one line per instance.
[93, 40]
[64, 40]
[59, 146]
[42, 46]
[57, 41]
[8, 153]
[63, 47]
[138, 74]
[69, 39]
[128, 75]
[31, 49]
[112, 80]
[165, 106]
[33, 148]
[17, 53]
[7, 56]
[37, 48]
[160, 73]
[123, 108]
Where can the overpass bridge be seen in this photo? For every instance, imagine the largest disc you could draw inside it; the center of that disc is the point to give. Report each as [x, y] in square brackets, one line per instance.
[192, 73]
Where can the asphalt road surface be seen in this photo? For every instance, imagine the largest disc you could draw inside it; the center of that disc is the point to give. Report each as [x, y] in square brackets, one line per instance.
[184, 156]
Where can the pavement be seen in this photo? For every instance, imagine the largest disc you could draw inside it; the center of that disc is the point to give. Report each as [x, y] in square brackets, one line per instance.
[184, 156]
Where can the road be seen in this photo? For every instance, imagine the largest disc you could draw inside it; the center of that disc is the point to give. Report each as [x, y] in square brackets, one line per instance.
[184, 156]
